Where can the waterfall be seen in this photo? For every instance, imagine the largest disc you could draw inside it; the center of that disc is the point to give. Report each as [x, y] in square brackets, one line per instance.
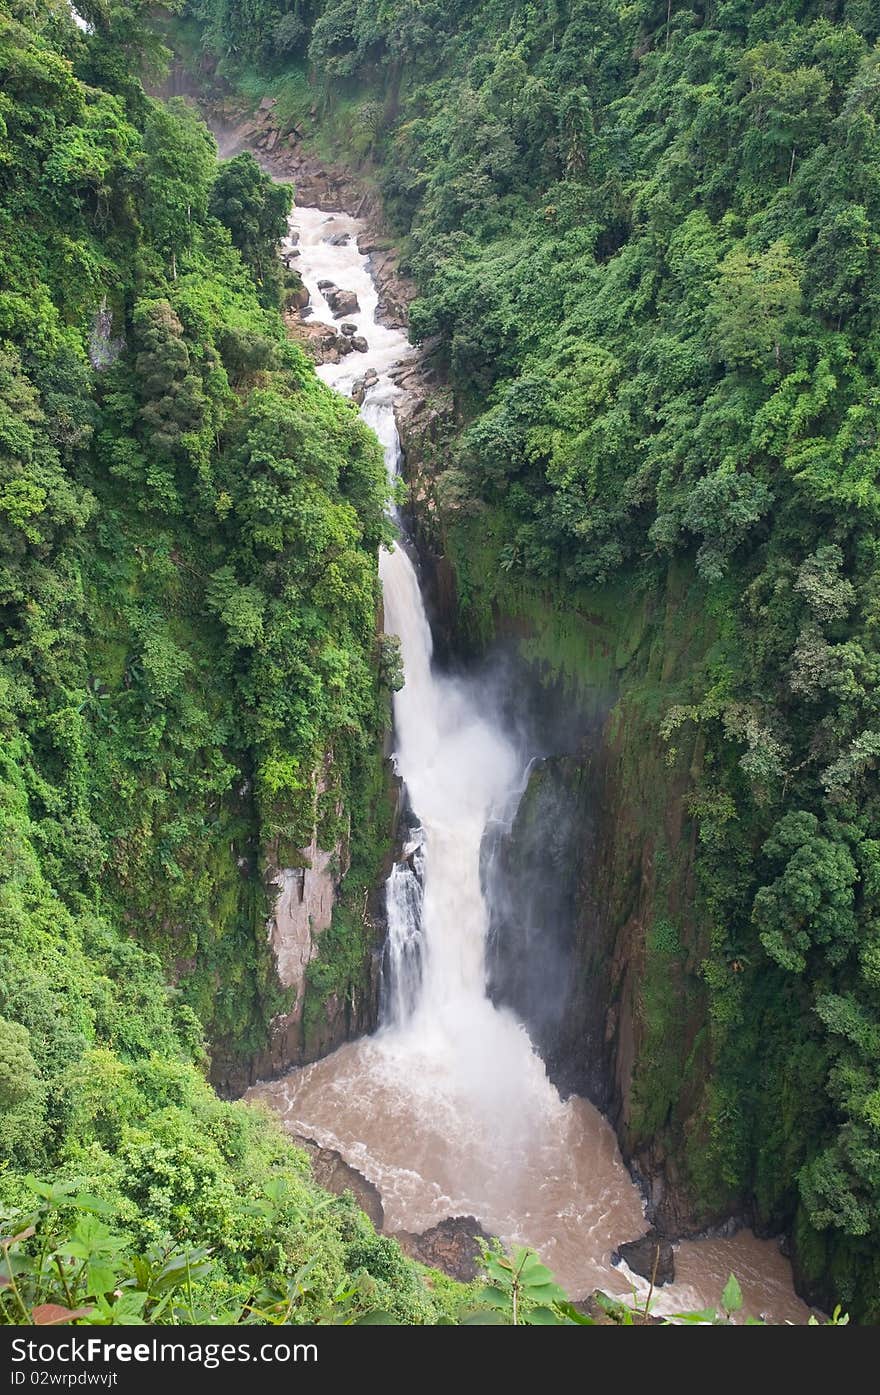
[402, 968]
[448, 1108]
[455, 762]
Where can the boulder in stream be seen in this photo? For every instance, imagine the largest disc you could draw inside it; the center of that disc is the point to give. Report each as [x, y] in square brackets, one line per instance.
[342, 303]
[643, 1254]
[359, 343]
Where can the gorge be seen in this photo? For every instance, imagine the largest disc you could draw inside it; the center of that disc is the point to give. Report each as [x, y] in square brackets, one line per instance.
[448, 1109]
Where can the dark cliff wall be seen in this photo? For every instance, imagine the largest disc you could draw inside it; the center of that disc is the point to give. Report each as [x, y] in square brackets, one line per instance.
[597, 935]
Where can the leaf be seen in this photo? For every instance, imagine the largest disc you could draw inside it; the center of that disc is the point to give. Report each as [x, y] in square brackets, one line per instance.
[731, 1298]
[195, 1263]
[545, 1293]
[484, 1317]
[377, 1318]
[53, 1314]
[500, 1270]
[543, 1317]
[101, 1278]
[17, 1239]
[55, 1193]
[84, 1201]
[303, 1273]
[707, 1315]
[494, 1298]
[128, 1309]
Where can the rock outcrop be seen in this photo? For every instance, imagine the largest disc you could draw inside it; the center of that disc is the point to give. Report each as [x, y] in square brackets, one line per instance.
[651, 1256]
[453, 1246]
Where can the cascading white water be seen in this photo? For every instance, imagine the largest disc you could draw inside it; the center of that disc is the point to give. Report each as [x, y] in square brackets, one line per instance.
[448, 1109]
[404, 949]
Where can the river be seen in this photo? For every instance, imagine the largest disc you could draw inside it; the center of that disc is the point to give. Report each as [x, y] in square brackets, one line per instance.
[447, 1108]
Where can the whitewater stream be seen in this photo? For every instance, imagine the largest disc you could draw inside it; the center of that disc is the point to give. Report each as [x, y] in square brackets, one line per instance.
[447, 1108]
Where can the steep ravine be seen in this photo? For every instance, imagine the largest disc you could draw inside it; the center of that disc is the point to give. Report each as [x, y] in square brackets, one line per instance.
[429, 1154]
[622, 824]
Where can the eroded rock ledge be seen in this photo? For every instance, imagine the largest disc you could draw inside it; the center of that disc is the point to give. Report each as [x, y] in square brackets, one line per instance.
[453, 1245]
[334, 1174]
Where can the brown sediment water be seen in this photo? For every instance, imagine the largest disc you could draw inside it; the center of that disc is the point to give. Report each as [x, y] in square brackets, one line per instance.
[448, 1108]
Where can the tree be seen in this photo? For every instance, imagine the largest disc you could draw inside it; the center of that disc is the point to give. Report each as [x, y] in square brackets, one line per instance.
[840, 261]
[173, 402]
[255, 210]
[575, 132]
[178, 171]
[829, 595]
[757, 295]
[811, 902]
[722, 507]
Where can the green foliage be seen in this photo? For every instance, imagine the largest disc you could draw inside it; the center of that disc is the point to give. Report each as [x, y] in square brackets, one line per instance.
[70, 1257]
[65, 1263]
[189, 667]
[255, 210]
[179, 167]
[179, 622]
[520, 1288]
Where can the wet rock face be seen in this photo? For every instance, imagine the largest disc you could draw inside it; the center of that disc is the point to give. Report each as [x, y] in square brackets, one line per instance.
[359, 391]
[531, 871]
[104, 347]
[298, 298]
[643, 1254]
[453, 1246]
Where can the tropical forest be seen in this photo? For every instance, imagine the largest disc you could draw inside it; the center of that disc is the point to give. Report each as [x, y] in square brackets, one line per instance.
[439, 663]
